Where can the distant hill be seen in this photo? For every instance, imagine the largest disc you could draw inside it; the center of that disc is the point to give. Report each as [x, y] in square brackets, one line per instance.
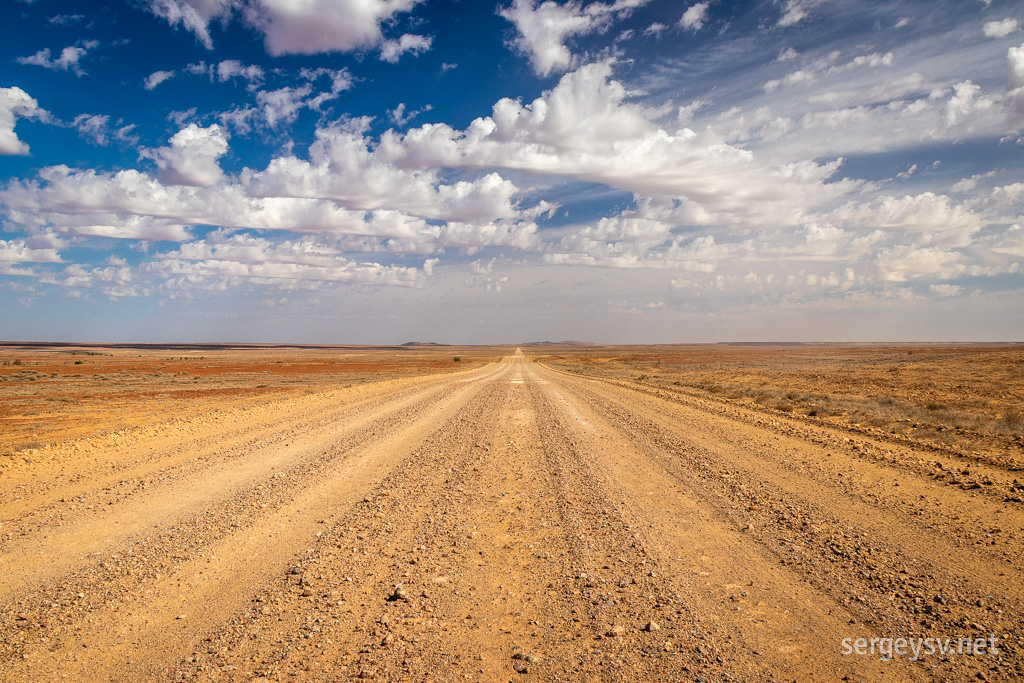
[568, 342]
[424, 344]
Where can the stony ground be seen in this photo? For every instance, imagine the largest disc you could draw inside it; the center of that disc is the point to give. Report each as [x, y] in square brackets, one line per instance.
[509, 521]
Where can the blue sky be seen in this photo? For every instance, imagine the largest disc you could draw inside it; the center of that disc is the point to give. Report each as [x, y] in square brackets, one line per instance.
[378, 171]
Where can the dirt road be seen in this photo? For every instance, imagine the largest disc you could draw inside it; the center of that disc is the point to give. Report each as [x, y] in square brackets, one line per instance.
[507, 523]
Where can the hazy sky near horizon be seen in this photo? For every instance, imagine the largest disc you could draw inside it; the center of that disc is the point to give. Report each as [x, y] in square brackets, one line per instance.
[379, 171]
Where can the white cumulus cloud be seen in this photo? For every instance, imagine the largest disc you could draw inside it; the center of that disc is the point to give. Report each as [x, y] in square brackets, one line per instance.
[192, 157]
[232, 68]
[93, 127]
[156, 78]
[67, 61]
[1015, 60]
[543, 28]
[586, 128]
[695, 16]
[15, 103]
[19, 251]
[289, 27]
[194, 15]
[1001, 29]
[316, 26]
[392, 50]
[283, 105]
[795, 11]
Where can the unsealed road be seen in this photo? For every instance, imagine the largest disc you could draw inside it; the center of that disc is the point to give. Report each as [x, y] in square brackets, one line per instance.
[433, 528]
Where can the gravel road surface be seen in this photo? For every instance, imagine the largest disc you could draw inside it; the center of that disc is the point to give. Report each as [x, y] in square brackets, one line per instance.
[506, 523]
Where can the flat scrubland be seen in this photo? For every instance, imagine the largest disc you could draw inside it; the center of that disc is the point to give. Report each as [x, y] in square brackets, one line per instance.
[717, 512]
[54, 392]
[967, 398]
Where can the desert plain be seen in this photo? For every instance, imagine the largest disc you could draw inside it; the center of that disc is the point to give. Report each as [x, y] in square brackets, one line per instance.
[540, 512]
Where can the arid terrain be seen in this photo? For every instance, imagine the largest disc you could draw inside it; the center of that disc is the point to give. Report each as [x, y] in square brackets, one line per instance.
[574, 513]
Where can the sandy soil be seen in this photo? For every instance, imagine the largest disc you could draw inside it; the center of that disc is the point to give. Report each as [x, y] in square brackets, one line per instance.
[504, 520]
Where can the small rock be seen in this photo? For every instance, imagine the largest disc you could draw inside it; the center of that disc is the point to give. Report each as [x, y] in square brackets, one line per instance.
[398, 594]
[307, 593]
[651, 627]
[522, 656]
[180, 616]
[295, 571]
[520, 667]
[615, 631]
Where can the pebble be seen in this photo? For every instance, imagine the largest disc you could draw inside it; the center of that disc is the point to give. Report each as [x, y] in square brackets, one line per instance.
[651, 627]
[398, 594]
